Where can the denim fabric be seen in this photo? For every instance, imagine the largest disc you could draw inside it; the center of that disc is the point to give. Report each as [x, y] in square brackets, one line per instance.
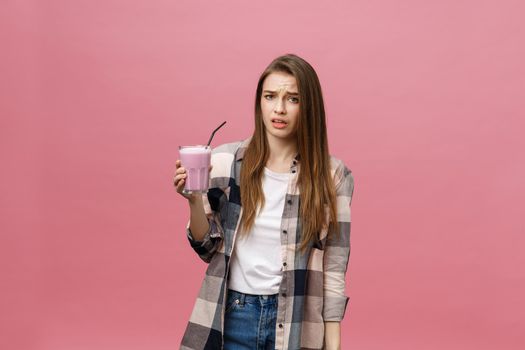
[249, 321]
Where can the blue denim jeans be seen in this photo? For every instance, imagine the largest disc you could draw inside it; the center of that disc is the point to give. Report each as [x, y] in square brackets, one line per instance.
[249, 321]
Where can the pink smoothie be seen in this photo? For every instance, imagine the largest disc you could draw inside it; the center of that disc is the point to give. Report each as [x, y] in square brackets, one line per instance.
[196, 161]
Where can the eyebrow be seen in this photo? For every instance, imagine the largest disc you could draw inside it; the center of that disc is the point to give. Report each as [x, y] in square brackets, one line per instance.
[288, 92]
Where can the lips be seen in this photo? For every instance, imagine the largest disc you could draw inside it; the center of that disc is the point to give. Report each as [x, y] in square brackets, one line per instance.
[279, 123]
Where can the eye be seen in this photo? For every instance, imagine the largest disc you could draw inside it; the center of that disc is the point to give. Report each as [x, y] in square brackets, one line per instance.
[268, 97]
[294, 99]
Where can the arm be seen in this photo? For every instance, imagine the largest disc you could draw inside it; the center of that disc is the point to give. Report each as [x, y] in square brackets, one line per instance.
[336, 258]
[332, 335]
[199, 224]
[204, 230]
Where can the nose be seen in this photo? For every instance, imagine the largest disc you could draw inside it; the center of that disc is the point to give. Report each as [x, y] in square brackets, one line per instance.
[279, 107]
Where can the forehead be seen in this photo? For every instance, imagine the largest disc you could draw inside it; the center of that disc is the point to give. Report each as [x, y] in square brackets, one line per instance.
[277, 81]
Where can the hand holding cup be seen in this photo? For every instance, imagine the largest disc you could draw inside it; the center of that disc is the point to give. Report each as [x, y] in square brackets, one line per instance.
[193, 169]
[179, 181]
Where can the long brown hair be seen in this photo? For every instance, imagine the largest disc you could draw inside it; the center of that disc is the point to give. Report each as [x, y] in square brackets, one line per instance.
[317, 191]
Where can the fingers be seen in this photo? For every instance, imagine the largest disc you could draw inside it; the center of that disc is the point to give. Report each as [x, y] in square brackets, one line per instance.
[179, 167]
[179, 177]
[180, 185]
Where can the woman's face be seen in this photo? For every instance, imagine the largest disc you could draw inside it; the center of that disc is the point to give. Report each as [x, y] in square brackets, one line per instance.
[280, 105]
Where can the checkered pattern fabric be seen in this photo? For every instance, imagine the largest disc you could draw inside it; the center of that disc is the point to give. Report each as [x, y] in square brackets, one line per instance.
[312, 289]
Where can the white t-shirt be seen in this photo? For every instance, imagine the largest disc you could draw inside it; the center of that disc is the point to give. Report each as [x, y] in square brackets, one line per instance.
[256, 262]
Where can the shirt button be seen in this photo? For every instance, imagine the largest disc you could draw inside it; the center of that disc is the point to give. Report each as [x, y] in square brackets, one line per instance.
[289, 201]
[293, 171]
[284, 231]
[284, 263]
[280, 325]
[294, 162]
[284, 294]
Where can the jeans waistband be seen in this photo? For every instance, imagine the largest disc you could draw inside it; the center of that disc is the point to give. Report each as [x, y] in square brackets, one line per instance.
[263, 299]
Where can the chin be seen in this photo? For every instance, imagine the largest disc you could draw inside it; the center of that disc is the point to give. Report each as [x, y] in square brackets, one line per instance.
[285, 135]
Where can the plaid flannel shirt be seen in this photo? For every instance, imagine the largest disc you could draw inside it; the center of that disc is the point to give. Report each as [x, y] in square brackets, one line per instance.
[312, 289]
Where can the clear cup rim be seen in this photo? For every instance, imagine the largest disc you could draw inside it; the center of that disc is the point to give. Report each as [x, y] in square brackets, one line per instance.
[194, 146]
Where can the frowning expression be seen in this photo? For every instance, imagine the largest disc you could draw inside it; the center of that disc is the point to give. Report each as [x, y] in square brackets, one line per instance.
[280, 105]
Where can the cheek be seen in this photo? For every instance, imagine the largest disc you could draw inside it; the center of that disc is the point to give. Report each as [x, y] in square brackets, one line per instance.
[264, 108]
[296, 115]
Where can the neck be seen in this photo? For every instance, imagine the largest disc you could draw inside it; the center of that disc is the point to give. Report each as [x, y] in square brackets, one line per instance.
[282, 151]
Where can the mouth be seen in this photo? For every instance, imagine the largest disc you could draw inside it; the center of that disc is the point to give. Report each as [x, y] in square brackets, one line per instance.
[279, 123]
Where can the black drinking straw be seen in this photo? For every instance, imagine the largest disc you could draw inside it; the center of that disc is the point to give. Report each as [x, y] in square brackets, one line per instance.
[213, 133]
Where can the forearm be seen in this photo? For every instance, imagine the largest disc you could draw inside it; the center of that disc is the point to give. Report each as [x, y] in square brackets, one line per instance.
[332, 335]
[199, 224]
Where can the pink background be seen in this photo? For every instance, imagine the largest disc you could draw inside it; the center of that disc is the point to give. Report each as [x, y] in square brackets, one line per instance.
[425, 103]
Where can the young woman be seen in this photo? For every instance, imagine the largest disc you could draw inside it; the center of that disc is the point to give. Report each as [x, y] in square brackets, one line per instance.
[274, 226]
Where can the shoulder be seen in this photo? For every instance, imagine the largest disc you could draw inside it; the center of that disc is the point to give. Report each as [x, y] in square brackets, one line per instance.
[340, 171]
[222, 157]
[228, 148]
[338, 166]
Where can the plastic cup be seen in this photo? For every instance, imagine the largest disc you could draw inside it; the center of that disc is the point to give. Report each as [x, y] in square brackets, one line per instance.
[196, 160]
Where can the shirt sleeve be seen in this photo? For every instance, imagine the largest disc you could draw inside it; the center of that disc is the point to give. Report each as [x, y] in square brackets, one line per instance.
[211, 241]
[337, 251]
